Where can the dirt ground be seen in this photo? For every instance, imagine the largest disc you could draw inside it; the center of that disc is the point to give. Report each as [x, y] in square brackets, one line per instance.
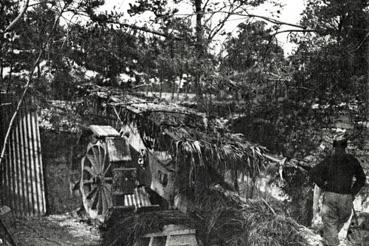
[65, 229]
[70, 229]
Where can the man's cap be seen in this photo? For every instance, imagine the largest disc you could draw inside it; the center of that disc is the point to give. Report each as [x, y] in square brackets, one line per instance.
[340, 139]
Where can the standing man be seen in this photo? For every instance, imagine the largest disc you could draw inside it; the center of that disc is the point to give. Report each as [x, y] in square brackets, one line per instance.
[334, 175]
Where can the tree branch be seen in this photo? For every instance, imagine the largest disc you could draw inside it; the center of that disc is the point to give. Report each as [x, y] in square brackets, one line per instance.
[212, 14]
[221, 24]
[361, 43]
[27, 86]
[11, 122]
[271, 20]
[144, 29]
[205, 5]
[17, 19]
[294, 30]
[35, 4]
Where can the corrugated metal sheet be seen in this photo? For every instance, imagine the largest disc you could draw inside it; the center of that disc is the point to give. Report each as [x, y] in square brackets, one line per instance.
[22, 175]
[138, 199]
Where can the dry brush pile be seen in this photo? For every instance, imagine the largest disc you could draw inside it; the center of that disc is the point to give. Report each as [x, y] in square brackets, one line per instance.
[220, 218]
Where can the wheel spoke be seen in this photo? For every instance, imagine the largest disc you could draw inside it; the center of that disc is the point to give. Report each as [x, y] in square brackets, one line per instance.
[100, 207]
[95, 199]
[96, 188]
[108, 179]
[104, 200]
[92, 161]
[97, 156]
[95, 151]
[104, 161]
[87, 182]
[91, 193]
[107, 169]
[89, 170]
[107, 188]
[101, 202]
[102, 158]
[107, 192]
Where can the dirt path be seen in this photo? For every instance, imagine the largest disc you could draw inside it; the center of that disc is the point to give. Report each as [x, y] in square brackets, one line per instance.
[70, 230]
[64, 230]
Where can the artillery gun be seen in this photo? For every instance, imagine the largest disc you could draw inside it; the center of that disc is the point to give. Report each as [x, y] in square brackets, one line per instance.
[109, 175]
[111, 179]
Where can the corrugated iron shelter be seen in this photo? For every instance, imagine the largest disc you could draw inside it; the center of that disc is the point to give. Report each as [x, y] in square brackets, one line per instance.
[22, 174]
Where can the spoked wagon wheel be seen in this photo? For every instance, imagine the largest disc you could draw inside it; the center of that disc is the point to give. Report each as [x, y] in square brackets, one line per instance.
[96, 182]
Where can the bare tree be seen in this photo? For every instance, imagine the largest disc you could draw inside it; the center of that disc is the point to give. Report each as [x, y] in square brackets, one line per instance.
[32, 69]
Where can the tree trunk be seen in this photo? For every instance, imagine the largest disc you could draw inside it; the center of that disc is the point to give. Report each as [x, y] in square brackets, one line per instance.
[38, 71]
[199, 27]
[179, 86]
[173, 90]
[1, 70]
[366, 93]
[199, 47]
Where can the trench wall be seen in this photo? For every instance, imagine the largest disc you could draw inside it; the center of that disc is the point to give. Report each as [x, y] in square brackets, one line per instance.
[61, 161]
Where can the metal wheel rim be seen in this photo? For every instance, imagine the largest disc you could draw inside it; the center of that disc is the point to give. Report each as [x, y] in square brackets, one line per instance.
[96, 182]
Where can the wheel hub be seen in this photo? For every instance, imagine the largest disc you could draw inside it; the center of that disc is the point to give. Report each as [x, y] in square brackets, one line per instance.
[98, 180]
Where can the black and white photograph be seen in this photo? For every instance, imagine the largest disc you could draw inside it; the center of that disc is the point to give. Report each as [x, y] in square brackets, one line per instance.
[184, 122]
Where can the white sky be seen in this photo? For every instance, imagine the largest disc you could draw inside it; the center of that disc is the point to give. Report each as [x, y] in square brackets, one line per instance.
[290, 13]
